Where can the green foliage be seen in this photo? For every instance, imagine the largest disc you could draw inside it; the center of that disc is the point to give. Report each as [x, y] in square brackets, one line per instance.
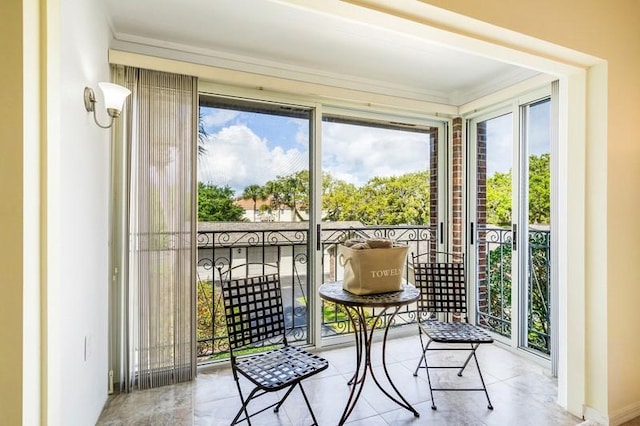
[291, 191]
[396, 200]
[202, 135]
[499, 199]
[500, 279]
[539, 189]
[499, 194]
[499, 274]
[338, 199]
[216, 204]
[211, 323]
[254, 192]
[381, 201]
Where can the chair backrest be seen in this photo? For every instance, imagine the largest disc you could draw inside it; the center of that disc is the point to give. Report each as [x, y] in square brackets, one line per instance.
[442, 285]
[253, 306]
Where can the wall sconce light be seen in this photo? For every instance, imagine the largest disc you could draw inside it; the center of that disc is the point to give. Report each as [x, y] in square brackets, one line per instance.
[114, 96]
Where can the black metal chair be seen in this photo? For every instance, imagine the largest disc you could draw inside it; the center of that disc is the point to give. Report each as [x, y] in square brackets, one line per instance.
[255, 315]
[443, 318]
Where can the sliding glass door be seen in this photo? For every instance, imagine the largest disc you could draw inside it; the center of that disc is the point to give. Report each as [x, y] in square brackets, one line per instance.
[380, 179]
[374, 177]
[253, 206]
[510, 205]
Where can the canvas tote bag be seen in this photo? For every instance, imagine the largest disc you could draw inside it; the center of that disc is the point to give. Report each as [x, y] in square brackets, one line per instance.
[372, 271]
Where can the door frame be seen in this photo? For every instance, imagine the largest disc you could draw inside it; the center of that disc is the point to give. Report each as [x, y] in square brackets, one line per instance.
[513, 106]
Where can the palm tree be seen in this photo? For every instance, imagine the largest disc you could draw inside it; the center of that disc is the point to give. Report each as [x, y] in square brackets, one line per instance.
[273, 189]
[202, 135]
[254, 192]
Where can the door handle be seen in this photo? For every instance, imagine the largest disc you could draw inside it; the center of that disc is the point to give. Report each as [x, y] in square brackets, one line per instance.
[514, 237]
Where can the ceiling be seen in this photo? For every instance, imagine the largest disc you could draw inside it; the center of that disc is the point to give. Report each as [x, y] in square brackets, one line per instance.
[308, 42]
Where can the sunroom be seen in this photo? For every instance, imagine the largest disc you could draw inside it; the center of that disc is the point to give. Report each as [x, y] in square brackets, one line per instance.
[481, 112]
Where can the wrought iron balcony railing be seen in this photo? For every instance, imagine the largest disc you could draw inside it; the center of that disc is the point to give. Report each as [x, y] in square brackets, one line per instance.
[224, 244]
[494, 285]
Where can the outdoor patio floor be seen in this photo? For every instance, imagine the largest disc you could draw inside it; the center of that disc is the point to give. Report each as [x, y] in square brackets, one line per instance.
[522, 392]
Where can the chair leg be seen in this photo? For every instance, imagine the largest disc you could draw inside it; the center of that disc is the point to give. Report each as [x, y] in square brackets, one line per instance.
[304, 394]
[471, 354]
[426, 367]
[490, 406]
[424, 354]
[286, 395]
[245, 403]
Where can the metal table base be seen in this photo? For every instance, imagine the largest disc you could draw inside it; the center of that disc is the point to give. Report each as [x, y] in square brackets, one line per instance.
[363, 333]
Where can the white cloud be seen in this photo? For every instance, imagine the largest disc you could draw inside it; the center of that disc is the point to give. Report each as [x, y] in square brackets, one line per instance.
[218, 117]
[356, 153]
[237, 157]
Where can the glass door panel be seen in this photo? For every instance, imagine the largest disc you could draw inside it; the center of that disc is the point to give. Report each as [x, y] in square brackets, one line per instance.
[536, 295]
[512, 209]
[379, 180]
[253, 206]
[493, 235]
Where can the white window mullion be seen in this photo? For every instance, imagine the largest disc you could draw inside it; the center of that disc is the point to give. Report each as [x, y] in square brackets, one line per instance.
[315, 219]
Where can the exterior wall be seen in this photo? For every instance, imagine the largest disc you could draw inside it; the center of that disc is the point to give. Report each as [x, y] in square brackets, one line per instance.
[457, 183]
[481, 214]
[281, 215]
[433, 191]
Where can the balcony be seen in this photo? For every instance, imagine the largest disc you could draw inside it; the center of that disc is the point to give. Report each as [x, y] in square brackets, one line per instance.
[223, 244]
[522, 391]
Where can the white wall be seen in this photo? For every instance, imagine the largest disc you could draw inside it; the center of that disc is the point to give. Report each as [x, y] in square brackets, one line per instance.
[77, 216]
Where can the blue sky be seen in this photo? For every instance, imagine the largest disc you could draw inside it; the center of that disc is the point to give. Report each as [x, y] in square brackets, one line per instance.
[500, 138]
[245, 148]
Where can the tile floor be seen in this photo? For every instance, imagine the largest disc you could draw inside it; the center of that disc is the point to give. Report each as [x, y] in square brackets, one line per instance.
[522, 393]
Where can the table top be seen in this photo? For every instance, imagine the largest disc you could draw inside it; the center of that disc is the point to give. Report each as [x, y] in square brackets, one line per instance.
[333, 292]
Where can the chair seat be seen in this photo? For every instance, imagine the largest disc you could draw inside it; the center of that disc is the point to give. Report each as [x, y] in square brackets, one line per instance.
[454, 332]
[280, 367]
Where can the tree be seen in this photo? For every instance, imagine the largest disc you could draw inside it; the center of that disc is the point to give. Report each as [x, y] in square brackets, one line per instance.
[338, 199]
[499, 194]
[202, 135]
[254, 192]
[539, 189]
[381, 201]
[396, 200]
[291, 191]
[499, 199]
[216, 204]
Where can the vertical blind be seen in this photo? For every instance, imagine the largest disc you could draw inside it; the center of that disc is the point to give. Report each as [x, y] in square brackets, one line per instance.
[153, 304]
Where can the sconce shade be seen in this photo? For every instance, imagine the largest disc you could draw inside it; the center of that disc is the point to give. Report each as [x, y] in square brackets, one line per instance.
[114, 95]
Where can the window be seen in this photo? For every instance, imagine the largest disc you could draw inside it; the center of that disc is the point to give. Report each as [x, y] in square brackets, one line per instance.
[378, 176]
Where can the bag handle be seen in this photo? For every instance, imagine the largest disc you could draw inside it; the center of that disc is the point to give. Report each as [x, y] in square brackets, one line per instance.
[342, 261]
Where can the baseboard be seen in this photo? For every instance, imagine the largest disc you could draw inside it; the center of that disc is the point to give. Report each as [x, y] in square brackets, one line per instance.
[593, 417]
[625, 414]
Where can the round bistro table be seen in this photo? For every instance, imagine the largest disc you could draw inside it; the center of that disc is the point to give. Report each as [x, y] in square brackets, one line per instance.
[363, 331]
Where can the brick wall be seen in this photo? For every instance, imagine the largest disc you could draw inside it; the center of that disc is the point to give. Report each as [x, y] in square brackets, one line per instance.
[481, 215]
[433, 189]
[457, 201]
